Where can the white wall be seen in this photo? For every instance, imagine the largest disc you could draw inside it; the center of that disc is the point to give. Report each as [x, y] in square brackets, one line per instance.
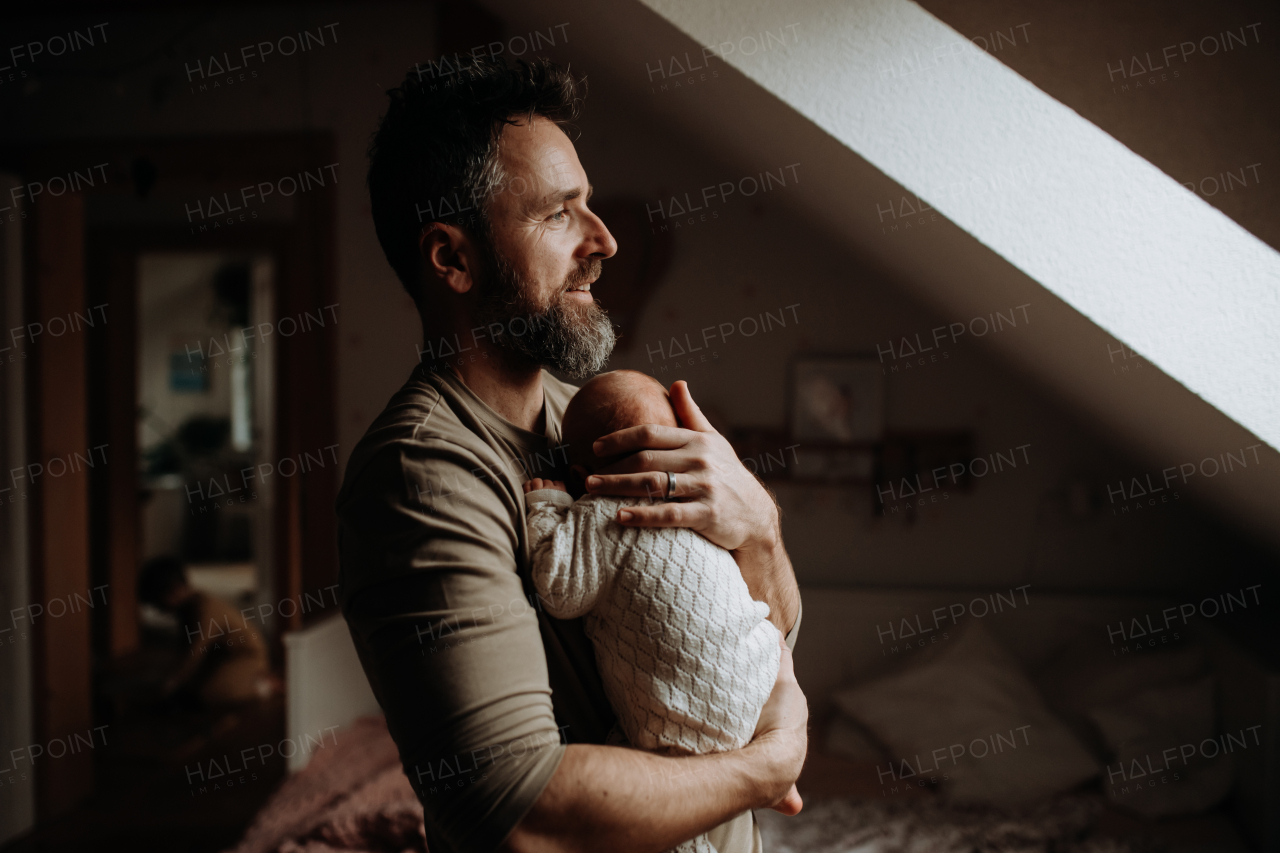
[325, 686]
[175, 309]
[1013, 528]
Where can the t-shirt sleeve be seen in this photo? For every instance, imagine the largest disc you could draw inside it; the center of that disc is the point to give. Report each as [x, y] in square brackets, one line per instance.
[449, 639]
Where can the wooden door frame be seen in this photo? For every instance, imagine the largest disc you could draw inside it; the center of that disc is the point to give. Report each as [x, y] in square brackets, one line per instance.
[305, 557]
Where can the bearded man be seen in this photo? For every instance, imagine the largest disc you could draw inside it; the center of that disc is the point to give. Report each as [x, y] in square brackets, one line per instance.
[481, 206]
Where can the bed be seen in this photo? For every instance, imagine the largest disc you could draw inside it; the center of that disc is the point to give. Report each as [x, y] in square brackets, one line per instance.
[353, 795]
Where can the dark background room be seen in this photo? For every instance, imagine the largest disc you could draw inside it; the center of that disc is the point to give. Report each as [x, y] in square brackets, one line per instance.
[984, 291]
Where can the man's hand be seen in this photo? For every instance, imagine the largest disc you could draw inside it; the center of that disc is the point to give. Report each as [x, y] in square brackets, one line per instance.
[539, 483]
[715, 495]
[783, 729]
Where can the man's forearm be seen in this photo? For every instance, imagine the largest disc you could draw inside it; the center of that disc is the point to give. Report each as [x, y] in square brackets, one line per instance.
[627, 800]
[767, 570]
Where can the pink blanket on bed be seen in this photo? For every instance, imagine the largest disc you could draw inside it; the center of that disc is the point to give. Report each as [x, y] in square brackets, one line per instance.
[353, 796]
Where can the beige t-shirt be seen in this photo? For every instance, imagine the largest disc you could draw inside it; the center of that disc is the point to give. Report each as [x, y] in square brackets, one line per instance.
[481, 687]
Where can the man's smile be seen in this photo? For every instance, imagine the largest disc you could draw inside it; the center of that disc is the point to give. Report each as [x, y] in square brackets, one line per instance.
[580, 292]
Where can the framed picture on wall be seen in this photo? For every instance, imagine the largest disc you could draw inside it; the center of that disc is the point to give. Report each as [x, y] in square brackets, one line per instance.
[837, 400]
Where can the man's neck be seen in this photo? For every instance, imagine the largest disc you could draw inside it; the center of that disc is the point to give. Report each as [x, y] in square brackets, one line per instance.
[510, 387]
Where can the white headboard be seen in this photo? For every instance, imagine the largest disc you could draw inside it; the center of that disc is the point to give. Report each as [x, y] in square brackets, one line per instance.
[325, 686]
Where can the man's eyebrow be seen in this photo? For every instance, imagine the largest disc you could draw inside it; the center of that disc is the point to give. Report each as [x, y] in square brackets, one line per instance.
[560, 196]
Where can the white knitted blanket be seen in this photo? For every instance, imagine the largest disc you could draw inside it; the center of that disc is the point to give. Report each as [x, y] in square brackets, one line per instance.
[686, 656]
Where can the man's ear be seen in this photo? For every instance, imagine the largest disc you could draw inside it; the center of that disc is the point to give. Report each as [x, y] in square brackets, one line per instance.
[448, 255]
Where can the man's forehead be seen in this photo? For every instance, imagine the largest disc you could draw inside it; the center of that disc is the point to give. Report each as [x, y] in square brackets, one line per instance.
[543, 156]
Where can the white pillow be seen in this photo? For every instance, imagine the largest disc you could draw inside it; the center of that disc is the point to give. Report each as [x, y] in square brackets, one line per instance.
[968, 717]
[1088, 673]
[1160, 739]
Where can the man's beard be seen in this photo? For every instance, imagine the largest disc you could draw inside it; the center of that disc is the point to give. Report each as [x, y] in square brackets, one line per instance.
[574, 338]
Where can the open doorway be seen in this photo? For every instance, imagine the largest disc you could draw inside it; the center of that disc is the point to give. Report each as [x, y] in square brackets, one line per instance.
[177, 387]
[205, 419]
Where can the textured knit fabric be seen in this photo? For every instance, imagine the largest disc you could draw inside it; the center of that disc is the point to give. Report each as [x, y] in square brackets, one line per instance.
[688, 659]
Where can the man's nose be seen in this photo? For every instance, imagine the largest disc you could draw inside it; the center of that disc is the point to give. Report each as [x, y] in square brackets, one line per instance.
[599, 242]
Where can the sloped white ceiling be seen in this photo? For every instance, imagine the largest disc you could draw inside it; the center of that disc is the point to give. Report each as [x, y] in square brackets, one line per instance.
[1084, 216]
[1043, 208]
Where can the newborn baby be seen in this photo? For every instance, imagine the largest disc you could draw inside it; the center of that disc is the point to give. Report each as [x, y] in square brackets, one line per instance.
[687, 657]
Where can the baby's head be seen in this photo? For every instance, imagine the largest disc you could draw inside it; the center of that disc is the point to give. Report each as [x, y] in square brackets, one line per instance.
[607, 403]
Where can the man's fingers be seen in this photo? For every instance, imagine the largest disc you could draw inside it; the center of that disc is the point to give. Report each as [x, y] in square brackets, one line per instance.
[652, 484]
[691, 515]
[786, 706]
[687, 411]
[651, 461]
[791, 804]
[643, 437]
[648, 484]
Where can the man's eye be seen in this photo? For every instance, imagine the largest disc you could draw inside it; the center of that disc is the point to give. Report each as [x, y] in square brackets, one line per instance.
[559, 216]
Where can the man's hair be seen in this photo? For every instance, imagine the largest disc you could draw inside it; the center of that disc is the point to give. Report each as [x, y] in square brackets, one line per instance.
[159, 577]
[434, 157]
